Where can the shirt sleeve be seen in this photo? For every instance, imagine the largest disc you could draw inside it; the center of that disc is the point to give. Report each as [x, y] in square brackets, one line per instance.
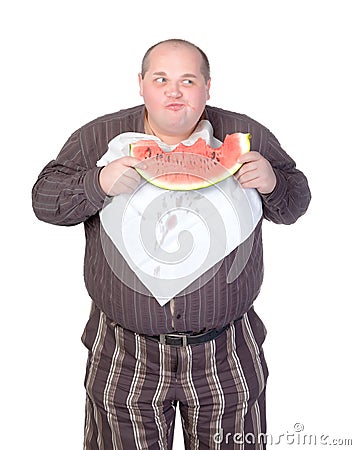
[67, 191]
[291, 196]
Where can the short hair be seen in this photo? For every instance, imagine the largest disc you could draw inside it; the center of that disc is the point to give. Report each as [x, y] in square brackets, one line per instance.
[205, 66]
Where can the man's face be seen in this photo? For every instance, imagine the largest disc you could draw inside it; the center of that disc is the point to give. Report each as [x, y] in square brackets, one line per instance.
[174, 91]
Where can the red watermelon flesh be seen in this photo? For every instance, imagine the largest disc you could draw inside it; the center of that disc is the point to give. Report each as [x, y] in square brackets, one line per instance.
[190, 167]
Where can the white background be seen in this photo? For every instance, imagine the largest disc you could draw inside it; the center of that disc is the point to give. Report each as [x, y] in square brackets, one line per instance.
[289, 65]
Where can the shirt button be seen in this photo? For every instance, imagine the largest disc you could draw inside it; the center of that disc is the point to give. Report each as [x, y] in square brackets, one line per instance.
[178, 316]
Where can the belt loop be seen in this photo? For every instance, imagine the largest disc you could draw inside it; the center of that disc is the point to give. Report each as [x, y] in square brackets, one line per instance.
[162, 338]
[185, 340]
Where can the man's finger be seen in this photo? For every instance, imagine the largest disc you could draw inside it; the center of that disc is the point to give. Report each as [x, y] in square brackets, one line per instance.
[248, 157]
[129, 161]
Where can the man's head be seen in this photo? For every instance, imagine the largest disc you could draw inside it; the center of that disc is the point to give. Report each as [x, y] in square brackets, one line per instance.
[175, 83]
[205, 66]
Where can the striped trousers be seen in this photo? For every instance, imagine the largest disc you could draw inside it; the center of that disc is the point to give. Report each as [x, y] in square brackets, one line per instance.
[134, 384]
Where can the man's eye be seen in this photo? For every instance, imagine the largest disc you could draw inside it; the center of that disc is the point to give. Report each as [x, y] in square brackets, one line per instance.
[187, 82]
[160, 80]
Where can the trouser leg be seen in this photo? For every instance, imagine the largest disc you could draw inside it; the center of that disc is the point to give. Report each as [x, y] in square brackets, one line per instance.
[223, 389]
[128, 383]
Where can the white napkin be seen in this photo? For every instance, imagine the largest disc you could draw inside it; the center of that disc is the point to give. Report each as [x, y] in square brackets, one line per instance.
[171, 238]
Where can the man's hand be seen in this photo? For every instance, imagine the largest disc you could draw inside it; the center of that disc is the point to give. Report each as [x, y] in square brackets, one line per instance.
[119, 177]
[256, 172]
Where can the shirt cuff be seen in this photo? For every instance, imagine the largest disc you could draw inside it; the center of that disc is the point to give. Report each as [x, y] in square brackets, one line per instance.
[279, 192]
[93, 191]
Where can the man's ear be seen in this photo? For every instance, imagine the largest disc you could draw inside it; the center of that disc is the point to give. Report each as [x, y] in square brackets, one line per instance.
[208, 89]
[140, 82]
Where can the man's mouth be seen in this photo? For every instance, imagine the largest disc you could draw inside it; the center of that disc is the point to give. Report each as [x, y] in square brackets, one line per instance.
[175, 106]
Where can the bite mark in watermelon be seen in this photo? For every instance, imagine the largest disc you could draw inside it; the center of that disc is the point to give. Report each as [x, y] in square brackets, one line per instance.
[190, 167]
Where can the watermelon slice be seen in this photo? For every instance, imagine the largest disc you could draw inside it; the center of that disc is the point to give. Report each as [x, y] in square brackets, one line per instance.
[190, 167]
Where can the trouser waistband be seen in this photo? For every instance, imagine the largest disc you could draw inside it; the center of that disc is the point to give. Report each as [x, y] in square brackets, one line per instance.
[183, 339]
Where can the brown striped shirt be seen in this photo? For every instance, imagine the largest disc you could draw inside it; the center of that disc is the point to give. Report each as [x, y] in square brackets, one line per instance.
[68, 192]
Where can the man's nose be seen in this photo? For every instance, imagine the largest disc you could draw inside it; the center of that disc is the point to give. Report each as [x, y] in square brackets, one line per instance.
[173, 91]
